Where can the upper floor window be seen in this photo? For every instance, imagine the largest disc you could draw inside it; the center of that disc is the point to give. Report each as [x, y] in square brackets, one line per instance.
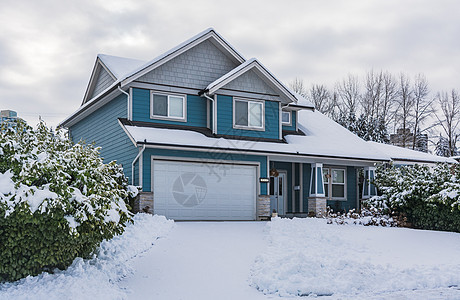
[286, 117]
[164, 106]
[248, 114]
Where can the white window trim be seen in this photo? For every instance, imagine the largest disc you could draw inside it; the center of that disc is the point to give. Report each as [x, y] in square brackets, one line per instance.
[169, 118]
[329, 183]
[290, 118]
[249, 127]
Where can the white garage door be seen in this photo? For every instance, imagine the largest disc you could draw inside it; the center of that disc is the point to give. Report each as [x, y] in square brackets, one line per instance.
[204, 191]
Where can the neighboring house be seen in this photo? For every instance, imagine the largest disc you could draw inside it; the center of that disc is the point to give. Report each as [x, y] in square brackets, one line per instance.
[405, 138]
[209, 135]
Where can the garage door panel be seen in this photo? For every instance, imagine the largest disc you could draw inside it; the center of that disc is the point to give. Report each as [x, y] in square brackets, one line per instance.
[204, 191]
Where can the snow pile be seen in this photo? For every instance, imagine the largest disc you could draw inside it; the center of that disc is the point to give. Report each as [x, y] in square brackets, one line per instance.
[309, 257]
[95, 278]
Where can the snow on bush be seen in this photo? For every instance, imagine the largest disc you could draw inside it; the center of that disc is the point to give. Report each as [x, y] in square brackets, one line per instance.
[58, 201]
[366, 217]
[94, 278]
[308, 257]
[425, 197]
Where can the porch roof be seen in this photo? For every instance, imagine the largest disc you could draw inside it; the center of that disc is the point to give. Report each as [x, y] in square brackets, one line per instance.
[323, 138]
[409, 156]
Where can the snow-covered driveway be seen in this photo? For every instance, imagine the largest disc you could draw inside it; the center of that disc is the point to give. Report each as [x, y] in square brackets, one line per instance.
[200, 260]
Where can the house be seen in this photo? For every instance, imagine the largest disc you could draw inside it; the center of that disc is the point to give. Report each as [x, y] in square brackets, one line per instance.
[404, 138]
[8, 118]
[210, 135]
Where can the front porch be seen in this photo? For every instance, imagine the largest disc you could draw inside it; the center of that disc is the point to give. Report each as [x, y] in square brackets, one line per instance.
[301, 189]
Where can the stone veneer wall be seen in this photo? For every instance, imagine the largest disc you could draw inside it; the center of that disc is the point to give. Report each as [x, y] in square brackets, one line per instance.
[316, 206]
[144, 202]
[263, 207]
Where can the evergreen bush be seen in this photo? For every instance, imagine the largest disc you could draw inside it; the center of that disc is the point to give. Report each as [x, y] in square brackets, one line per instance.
[425, 197]
[58, 201]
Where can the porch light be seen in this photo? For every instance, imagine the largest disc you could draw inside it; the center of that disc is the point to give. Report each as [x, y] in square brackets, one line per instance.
[274, 172]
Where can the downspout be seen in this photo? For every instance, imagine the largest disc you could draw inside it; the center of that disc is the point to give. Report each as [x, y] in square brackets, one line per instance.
[213, 111]
[128, 108]
[132, 165]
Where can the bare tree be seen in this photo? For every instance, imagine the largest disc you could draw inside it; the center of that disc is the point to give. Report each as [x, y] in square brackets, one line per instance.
[422, 105]
[449, 117]
[348, 91]
[373, 92]
[299, 87]
[388, 99]
[405, 107]
[320, 97]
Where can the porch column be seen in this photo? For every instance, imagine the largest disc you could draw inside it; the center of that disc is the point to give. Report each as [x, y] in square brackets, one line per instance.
[317, 199]
[369, 189]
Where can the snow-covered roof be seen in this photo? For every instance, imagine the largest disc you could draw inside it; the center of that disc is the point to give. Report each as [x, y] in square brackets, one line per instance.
[120, 66]
[400, 154]
[324, 138]
[254, 63]
[125, 70]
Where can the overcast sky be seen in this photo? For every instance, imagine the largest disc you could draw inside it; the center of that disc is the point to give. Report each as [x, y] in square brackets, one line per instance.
[48, 48]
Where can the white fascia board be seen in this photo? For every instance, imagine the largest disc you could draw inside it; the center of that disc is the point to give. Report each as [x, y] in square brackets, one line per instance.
[279, 156]
[181, 48]
[127, 133]
[92, 80]
[90, 106]
[107, 69]
[243, 68]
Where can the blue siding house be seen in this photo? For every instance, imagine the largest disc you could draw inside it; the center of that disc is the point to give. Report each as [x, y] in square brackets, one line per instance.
[210, 135]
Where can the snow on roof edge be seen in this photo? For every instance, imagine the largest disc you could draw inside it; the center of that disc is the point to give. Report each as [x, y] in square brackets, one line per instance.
[403, 154]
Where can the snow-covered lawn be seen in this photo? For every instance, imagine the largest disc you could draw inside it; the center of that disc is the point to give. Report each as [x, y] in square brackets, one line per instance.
[159, 259]
[310, 257]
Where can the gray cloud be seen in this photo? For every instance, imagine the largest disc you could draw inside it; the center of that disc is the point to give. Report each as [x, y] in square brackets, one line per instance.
[47, 48]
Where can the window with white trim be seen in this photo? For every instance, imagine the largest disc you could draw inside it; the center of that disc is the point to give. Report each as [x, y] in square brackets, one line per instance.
[335, 183]
[286, 117]
[164, 106]
[248, 114]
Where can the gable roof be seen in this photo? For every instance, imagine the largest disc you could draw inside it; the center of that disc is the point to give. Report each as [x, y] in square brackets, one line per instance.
[115, 66]
[208, 34]
[125, 70]
[264, 73]
[119, 66]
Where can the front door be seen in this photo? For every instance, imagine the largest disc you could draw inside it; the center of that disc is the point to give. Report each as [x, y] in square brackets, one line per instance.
[278, 193]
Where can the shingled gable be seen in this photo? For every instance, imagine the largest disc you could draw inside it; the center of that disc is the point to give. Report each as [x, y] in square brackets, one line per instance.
[209, 34]
[107, 69]
[139, 69]
[253, 65]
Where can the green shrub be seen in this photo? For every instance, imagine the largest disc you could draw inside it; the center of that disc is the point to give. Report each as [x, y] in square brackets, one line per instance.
[58, 201]
[425, 197]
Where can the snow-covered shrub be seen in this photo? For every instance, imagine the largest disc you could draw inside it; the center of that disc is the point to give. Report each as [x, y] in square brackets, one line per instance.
[367, 217]
[58, 201]
[427, 197]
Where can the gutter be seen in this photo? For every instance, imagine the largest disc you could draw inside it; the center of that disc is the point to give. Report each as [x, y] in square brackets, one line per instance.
[132, 165]
[262, 152]
[127, 98]
[204, 93]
